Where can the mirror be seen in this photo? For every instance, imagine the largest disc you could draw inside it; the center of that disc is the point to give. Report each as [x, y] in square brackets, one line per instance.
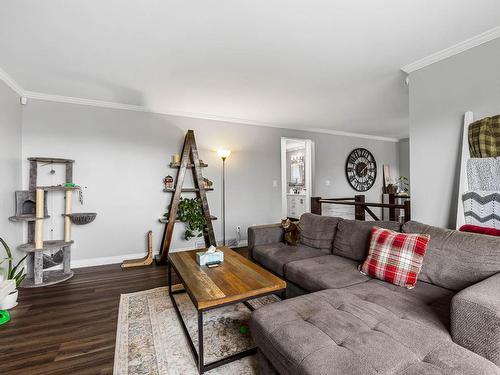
[295, 161]
[296, 170]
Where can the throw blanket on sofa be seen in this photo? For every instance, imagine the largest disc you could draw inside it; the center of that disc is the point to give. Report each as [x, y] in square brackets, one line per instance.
[482, 208]
[483, 174]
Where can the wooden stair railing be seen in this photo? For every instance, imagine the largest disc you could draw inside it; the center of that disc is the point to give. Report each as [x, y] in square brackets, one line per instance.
[361, 207]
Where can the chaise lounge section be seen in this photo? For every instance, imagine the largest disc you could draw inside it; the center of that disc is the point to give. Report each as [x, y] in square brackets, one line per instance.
[343, 322]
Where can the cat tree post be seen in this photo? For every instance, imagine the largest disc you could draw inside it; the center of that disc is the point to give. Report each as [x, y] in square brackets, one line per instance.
[38, 255]
[67, 230]
[67, 219]
[39, 219]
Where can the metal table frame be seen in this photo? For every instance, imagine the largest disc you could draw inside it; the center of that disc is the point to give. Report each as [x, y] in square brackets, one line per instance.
[198, 355]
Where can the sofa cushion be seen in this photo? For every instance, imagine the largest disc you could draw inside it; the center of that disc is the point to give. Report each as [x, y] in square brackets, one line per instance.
[325, 272]
[395, 257]
[456, 260]
[353, 237]
[475, 318]
[437, 301]
[318, 231]
[275, 256]
[351, 331]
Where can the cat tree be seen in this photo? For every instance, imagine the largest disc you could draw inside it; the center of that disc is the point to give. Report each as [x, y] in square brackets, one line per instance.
[31, 207]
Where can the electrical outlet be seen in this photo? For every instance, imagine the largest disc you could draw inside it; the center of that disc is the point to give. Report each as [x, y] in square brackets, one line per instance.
[238, 229]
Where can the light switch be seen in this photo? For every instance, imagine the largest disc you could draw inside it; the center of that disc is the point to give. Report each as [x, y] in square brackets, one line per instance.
[275, 183]
[327, 182]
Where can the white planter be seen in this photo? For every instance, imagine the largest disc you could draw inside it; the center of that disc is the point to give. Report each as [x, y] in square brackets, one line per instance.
[10, 301]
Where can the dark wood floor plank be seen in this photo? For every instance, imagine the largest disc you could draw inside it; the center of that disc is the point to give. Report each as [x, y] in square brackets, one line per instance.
[70, 328]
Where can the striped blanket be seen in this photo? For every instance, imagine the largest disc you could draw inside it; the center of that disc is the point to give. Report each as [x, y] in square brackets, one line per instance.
[482, 208]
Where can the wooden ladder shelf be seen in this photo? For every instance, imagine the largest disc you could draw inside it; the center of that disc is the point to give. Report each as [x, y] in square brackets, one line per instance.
[189, 160]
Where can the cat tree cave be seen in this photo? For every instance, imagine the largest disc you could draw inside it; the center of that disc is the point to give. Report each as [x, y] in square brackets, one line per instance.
[31, 207]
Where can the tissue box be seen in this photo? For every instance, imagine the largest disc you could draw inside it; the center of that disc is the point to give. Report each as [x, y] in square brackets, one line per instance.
[203, 257]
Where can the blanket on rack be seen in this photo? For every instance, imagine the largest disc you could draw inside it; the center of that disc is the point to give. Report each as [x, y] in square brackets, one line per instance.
[483, 174]
[482, 208]
[484, 137]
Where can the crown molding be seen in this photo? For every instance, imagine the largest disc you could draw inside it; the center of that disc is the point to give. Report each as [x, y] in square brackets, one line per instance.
[9, 81]
[202, 116]
[82, 101]
[349, 134]
[137, 108]
[453, 50]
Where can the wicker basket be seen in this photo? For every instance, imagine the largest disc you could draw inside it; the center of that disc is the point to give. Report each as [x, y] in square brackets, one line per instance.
[82, 218]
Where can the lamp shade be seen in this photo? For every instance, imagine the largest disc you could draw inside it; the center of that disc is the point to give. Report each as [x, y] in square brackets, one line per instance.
[223, 153]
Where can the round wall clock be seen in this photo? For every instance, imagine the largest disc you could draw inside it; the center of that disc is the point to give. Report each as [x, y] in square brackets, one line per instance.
[361, 169]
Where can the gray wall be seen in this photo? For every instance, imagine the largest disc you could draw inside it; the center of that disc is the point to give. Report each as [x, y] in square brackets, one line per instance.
[10, 165]
[404, 158]
[122, 157]
[439, 96]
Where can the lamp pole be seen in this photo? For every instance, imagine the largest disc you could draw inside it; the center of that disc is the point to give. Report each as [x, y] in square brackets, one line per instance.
[223, 154]
[224, 201]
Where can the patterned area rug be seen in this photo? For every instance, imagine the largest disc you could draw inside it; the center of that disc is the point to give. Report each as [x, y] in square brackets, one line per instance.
[150, 340]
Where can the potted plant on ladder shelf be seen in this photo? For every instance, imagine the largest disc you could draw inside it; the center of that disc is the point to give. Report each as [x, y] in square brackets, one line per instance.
[13, 273]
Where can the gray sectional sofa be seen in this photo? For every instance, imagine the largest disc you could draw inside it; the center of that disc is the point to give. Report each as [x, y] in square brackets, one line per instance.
[337, 321]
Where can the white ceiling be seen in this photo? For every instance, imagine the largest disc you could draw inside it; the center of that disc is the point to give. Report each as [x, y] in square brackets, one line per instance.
[329, 64]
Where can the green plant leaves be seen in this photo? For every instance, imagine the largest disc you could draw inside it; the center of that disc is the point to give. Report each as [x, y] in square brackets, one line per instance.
[9, 254]
[19, 277]
[191, 213]
[11, 272]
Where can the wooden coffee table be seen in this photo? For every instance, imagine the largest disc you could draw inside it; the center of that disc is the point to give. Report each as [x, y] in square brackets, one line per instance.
[236, 280]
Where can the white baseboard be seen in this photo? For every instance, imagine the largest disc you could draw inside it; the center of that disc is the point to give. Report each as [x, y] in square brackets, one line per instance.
[79, 263]
[101, 261]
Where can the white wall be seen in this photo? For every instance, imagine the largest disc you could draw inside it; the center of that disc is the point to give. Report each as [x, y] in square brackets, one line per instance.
[122, 157]
[439, 96]
[10, 165]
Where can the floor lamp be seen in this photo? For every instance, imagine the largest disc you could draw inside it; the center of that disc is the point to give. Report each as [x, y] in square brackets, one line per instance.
[224, 154]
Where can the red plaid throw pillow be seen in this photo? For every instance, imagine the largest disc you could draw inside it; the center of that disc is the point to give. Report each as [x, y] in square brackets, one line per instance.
[395, 257]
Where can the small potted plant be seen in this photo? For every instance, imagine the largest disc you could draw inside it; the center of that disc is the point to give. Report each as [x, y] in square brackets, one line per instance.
[403, 185]
[191, 213]
[13, 273]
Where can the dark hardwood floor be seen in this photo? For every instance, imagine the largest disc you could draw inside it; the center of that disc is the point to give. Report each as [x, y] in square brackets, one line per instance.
[70, 328]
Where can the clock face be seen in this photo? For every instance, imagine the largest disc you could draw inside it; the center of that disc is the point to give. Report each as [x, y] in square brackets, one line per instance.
[361, 169]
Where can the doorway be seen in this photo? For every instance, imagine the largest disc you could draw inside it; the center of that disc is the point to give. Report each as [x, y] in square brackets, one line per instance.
[297, 161]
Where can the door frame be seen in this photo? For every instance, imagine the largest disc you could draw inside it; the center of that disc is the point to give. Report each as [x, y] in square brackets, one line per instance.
[309, 173]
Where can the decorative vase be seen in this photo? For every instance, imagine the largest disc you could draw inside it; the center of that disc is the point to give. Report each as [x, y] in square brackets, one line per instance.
[10, 301]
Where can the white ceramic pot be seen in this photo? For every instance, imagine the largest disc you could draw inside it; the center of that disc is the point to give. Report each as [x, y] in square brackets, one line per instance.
[10, 301]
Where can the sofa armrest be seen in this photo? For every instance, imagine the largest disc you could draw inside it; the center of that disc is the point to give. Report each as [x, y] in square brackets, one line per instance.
[475, 318]
[263, 235]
